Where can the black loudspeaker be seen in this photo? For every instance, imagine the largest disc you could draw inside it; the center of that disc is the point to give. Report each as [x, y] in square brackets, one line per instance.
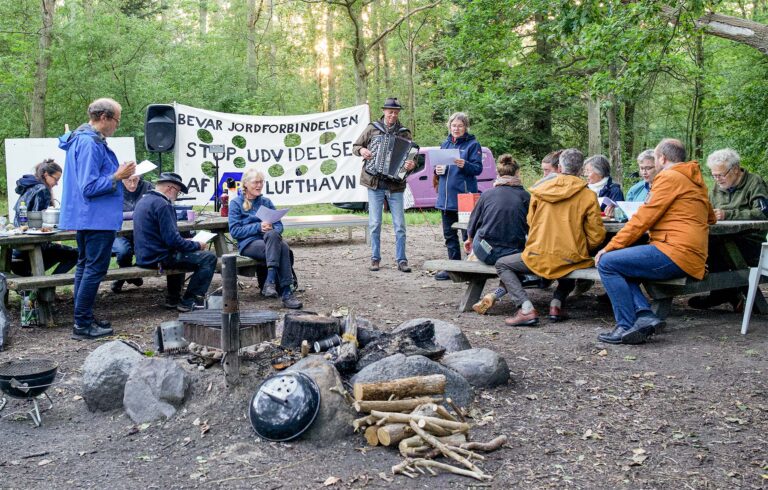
[160, 128]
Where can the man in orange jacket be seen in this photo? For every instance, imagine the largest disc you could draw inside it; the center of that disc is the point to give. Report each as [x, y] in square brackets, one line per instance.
[676, 214]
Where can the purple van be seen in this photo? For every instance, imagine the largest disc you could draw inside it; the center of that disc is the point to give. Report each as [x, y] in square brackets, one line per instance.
[420, 182]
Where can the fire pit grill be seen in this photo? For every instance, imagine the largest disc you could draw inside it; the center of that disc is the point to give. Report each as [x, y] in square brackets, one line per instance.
[28, 379]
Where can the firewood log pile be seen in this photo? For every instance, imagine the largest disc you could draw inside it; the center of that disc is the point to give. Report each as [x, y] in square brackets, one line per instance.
[411, 413]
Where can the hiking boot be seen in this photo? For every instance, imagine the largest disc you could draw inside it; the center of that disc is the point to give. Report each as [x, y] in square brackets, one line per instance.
[92, 332]
[290, 301]
[485, 304]
[442, 276]
[402, 266]
[269, 290]
[186, 305]
[117, 286]
[521, 319]
[375, 265]
[138, 282]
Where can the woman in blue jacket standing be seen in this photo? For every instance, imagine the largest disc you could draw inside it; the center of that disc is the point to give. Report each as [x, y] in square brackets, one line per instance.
[456, 179]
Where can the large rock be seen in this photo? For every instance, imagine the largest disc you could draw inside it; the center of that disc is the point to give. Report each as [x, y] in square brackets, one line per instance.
[446, 334]
[334, 420]
[105, 372]
[483, 368]
[154, 390]
[400, 366]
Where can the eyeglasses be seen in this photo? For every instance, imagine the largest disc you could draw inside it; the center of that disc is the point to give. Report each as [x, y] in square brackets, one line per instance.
[722, 176]
[257, 182]
[116, 119]
[645, 170]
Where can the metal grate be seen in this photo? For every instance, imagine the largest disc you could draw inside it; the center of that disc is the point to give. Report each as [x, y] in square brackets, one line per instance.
[27, 367]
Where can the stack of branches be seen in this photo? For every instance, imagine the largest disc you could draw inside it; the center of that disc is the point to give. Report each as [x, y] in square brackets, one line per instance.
[406, 412]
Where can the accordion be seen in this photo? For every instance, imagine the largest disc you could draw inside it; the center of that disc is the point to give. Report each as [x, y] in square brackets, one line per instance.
[390, 152]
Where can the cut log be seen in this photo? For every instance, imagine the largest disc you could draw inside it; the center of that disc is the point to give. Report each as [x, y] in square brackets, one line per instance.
[393, 433]
[371, 437]
[346, 362]
[433, 384]
[434, 429]
[417, 442]
[406, 405]
[485, 446]
[301, 326]
[364, 422]
[403, 418]
[437, 444]
[416, 340]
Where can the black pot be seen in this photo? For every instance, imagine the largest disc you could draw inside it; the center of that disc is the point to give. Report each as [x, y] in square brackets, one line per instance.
[27, 378]
[284, 406]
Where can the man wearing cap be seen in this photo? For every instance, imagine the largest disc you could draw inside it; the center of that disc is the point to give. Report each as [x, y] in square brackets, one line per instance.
[380, 189]
[92, 204]
[158, 244]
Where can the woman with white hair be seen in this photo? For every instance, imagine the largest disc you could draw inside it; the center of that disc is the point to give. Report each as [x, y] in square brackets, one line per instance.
[260, 240]
[646, 165]
[737, 195]
[459, 178]
[597, 171]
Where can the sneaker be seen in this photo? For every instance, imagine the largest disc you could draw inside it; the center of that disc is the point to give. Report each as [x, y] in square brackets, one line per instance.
[269, 290]
[92, 332]
[138, 282]
[442, 276]
[290, 301]
[117, 286]
[103, 323]
[375, 265]
[402, 266]
[186, 305]
[485, 304]
[523, 319]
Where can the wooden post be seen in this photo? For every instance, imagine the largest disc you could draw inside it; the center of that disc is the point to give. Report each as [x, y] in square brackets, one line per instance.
[45, 296]
[230, 320]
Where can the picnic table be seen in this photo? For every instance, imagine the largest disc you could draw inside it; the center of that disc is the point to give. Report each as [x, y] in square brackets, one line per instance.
[46, 284]
[661, 292]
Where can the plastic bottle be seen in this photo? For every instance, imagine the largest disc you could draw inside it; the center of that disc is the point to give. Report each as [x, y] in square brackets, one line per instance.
[23, 213]
[224, 204]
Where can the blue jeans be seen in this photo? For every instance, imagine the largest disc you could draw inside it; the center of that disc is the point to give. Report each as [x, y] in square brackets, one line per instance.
[448, 218]
[94, 252]
[376, 199]
[621, 272]
[276, 253]
[123, 249]
[202, 264]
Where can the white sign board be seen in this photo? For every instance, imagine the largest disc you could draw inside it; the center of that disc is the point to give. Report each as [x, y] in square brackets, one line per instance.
[21, 156]
[307, 158]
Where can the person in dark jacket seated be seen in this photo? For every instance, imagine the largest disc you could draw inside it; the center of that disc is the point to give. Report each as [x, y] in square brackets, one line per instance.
[498, 225]
[260, 240]
[35, 191]
[597, 171]
[135, 187]
[158, 244]
[456, 179]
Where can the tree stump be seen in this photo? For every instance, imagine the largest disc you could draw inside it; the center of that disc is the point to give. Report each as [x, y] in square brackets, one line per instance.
[302, 326]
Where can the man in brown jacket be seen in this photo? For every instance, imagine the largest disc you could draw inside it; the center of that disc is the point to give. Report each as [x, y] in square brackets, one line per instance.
[565, 226]
[676, 215]
[381, 189]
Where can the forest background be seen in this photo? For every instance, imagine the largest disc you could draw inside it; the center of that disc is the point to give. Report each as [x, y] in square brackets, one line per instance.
[610, 76]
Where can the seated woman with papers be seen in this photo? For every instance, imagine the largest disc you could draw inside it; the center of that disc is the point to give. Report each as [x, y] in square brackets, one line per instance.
[256, 225]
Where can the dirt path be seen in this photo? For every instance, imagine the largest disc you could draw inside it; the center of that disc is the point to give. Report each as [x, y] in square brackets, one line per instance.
[688, 410]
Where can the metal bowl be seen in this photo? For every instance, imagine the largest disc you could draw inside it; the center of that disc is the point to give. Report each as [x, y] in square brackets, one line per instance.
[27, 378]
[284, 406]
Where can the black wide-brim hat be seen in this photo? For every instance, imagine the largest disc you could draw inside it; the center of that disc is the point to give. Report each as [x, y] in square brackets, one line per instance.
[173, 178]
[392, 103]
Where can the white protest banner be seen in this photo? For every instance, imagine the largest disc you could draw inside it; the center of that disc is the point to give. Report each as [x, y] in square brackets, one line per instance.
[307, 158]
[22, 154]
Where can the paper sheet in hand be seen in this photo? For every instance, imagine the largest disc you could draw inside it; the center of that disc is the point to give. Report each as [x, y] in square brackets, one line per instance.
[607, 201]
[629, 207]
[271, 215]
[203, 236]
[443, 157]
[144, 167]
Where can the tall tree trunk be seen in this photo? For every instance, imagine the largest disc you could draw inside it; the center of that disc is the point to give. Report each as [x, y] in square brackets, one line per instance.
[377, 52]
[614, 140]
[331, 59]
[251, 60]
[697, 139]
[37, 110]
[203, 18]
[542, 123]
[411, 75]
[595, 145]
[629, 131]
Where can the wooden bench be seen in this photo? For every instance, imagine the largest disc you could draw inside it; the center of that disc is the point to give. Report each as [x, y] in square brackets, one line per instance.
[661, 292]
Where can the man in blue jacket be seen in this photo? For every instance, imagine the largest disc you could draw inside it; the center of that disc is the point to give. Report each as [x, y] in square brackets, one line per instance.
[92, 204]
[158, 244]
